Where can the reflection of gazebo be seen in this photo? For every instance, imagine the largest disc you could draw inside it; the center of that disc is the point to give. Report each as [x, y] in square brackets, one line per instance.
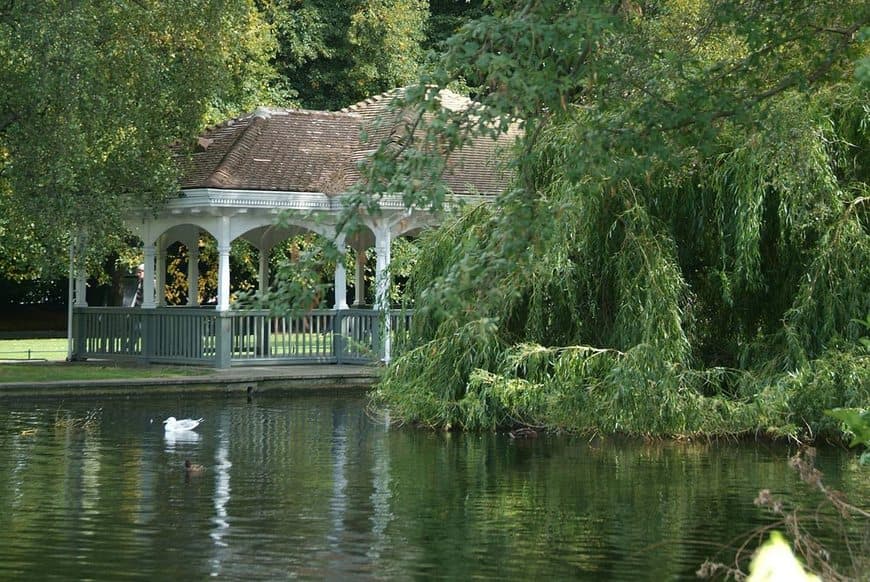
[241, 174]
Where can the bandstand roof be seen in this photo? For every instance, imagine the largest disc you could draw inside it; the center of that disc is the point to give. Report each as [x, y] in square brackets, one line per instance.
[287, 150]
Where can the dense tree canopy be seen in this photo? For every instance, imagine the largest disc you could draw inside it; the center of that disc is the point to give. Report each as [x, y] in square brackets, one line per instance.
[92, 94]
[334, 53]
[685, 247]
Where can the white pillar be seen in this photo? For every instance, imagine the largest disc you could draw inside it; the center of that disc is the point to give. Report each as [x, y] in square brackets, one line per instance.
[264, 269]
[360, 281]
[69, 306]
[148, 278]
[382, 266]
[223, 244]
[81, 285]
[160, 284]
[223, 278]
[193, 271]
[383, 238]
[340, 279]
[81, 273]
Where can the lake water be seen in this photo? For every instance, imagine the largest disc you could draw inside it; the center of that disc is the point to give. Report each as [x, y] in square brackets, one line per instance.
[300, 486]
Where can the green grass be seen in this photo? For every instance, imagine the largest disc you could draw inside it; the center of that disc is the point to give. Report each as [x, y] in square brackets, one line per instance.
[62, 371]
[48, 357]
[51, 349]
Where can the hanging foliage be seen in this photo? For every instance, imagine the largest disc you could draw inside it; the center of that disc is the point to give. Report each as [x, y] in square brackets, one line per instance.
[685, 246]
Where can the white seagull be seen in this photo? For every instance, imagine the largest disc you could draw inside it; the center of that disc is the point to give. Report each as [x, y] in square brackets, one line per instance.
[174, 425]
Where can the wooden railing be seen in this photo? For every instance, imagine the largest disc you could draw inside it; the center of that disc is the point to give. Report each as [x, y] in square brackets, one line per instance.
[204, 336]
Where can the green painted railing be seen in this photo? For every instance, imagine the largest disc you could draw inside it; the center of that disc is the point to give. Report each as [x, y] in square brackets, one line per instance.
[188, 335]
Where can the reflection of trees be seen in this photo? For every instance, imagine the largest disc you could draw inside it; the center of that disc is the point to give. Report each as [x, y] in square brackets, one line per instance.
[311, 486]
[589, 505]
[312, 467]
[64, 487]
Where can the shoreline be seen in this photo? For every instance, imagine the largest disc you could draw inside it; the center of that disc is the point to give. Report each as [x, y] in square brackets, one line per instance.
[245, 381]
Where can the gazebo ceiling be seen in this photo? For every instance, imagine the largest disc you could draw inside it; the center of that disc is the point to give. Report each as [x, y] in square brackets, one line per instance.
[269, 236]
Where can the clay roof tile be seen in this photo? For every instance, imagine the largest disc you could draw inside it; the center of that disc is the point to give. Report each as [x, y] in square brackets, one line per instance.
[317, 151]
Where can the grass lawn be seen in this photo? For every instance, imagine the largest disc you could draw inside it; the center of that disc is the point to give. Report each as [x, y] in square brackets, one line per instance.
[48, 363]
[52, 349]
[48, 371]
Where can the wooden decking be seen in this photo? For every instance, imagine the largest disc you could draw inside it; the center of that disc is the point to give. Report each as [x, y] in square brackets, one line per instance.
[244, 381]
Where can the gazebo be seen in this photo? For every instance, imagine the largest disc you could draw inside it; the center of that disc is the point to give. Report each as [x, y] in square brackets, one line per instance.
[240, 176]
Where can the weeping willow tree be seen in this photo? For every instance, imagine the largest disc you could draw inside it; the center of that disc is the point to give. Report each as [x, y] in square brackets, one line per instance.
[684, 248]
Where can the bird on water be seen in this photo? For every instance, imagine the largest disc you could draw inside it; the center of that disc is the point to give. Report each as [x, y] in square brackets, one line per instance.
[193, 468]
[172, 424]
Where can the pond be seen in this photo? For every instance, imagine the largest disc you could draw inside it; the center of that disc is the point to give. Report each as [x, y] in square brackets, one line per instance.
[312, 487]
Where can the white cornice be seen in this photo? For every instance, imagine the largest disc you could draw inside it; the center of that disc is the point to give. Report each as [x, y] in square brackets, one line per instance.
[204, 205]
[214, 198]
[252, 199]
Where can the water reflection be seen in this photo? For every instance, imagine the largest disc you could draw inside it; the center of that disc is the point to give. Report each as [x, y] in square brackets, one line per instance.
[222, 467]
[185, 437]
[338, 500]
[90, 472]
[309, 487]
[380, 497]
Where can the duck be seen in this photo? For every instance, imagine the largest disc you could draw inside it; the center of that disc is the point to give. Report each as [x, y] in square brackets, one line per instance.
[172, 424]
[524, 432]
[193, 468]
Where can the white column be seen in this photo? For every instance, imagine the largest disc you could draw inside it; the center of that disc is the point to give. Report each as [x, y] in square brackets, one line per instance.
[81, 287]
[81, 274]
[382, 266]
[70, 298]
[148, 279]
[340, 279]
[193, 271]
[360, 281]
[223, 244]
[264, 269]
[160, 284]
[223, 278]
[383, 239]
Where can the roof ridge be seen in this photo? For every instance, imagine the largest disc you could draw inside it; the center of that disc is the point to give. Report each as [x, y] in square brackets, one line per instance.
[392, 93]
[447, 97]
[266, 112]
[224, 168]
[226, 122]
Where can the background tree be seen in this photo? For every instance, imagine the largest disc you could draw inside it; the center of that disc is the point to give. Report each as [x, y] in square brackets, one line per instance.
[91, 96]
[334, 53]
[446, 17]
